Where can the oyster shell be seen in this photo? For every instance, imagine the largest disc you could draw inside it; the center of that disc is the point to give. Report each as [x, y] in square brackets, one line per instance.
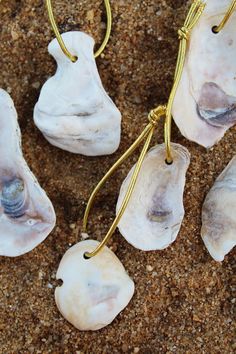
[26, 214]
[205, 102]
[155, 211]
[218, 214]
[74, 112]
[94, 290]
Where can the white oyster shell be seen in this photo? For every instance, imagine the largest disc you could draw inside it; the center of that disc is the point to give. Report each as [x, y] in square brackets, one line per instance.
[218, 214]
[155, 211]
[26, 214]
[205, 102]
[94, 290]
[74, 112]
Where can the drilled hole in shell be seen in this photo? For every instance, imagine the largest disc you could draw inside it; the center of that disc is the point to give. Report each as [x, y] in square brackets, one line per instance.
[59, 283]
[75, 60]
[168, 162]
[86, 257]
[214, 30]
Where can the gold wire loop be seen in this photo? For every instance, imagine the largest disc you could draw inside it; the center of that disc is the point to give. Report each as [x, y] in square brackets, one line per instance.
[153, 117]
[184, 33]
[59, 37]
[126, 198]
[217, 29]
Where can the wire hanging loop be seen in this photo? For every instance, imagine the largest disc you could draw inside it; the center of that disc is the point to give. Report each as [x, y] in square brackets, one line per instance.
[184, 34]
[217, 29]
[54, 25]
[153, 117]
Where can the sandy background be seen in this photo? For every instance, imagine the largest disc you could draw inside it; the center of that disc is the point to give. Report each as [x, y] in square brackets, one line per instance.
[184, 300]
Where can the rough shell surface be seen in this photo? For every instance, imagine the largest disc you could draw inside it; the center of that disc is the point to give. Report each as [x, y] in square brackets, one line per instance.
[218, 214]
[94, 291]
[155, 211]
[205, 103]
[74, 112]
[26, 214]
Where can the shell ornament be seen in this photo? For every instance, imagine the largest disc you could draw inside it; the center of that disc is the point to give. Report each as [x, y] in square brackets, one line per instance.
[26, 214]
[205, 102]
[94, 291]
[155, 211]
[218, 214]
[74, 112]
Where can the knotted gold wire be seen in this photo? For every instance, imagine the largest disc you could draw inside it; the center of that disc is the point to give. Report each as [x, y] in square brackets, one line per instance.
[184, 33]
[154, 116]
[227, 16]
[59, 37]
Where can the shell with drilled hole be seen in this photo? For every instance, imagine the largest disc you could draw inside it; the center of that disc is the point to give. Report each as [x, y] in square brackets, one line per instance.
[155, 211]
[26, 214]
[205, 102]
[218, 214]
[94, 291]
[74, 112]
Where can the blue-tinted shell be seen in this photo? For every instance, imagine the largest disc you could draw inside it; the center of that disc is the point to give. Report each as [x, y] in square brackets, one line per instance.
[13, 198]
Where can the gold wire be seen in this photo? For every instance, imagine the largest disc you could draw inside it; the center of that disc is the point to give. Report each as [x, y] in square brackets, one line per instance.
[59, 37]
[147, 134]
[227, 16]
[184, 33]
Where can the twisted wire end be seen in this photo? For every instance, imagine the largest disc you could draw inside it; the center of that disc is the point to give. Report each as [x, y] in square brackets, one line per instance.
[156, 113]
[184, 33]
